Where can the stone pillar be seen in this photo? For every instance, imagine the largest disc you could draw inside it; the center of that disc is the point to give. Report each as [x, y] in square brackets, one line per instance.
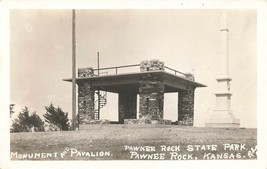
[190, 76]
[186, 107]
[86, 97]
[151, 65]
[151, 92]
[127, 105]
[85, 72]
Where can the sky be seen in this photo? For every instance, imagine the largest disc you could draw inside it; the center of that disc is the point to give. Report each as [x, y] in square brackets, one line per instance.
[186, 40]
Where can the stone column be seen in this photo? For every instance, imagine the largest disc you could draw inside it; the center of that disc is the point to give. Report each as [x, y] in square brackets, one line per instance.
[86, 97]
[127, 105]
[186, 107]
[151, 92]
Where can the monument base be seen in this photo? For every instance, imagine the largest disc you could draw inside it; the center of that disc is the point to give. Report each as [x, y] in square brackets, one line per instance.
[223, 125]
[223, 119]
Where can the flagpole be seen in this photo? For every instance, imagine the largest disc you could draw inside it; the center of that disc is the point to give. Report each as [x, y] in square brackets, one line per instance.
[73, 72]
[98, 89]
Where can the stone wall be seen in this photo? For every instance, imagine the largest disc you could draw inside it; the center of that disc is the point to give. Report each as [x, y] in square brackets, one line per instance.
[140, 121]
[127, 105]
[186, 107]
[85, 72]
[190, 76]
[86, 97]
[151, 92]
[151, 65]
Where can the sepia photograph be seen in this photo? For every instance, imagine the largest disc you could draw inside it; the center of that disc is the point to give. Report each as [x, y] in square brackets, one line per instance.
[141, 85]
[152, 84]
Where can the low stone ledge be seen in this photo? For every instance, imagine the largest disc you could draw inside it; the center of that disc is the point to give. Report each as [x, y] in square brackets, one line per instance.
[186, 121]
[102, 121]
[94, 124]
[146, 121]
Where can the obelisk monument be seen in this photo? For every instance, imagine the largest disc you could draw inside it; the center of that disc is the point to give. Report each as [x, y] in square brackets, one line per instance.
[222, 115]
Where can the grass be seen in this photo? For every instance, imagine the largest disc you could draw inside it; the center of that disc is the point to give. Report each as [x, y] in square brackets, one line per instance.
[113, 138]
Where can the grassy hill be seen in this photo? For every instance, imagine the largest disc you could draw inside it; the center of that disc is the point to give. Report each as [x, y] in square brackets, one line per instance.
[136, 142]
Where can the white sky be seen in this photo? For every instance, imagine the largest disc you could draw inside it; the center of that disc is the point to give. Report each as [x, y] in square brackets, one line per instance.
[186, 40]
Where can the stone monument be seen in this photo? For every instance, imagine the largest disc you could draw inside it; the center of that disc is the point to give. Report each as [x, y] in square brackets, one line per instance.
[222, 115]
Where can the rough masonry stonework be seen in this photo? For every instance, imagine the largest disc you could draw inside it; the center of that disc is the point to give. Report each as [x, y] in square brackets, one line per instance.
[86, 97]
[151, 92]
[186, 107]
[151, 89]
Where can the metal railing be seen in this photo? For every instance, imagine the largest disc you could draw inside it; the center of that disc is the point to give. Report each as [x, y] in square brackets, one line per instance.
[117, 68]
[175, 71]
